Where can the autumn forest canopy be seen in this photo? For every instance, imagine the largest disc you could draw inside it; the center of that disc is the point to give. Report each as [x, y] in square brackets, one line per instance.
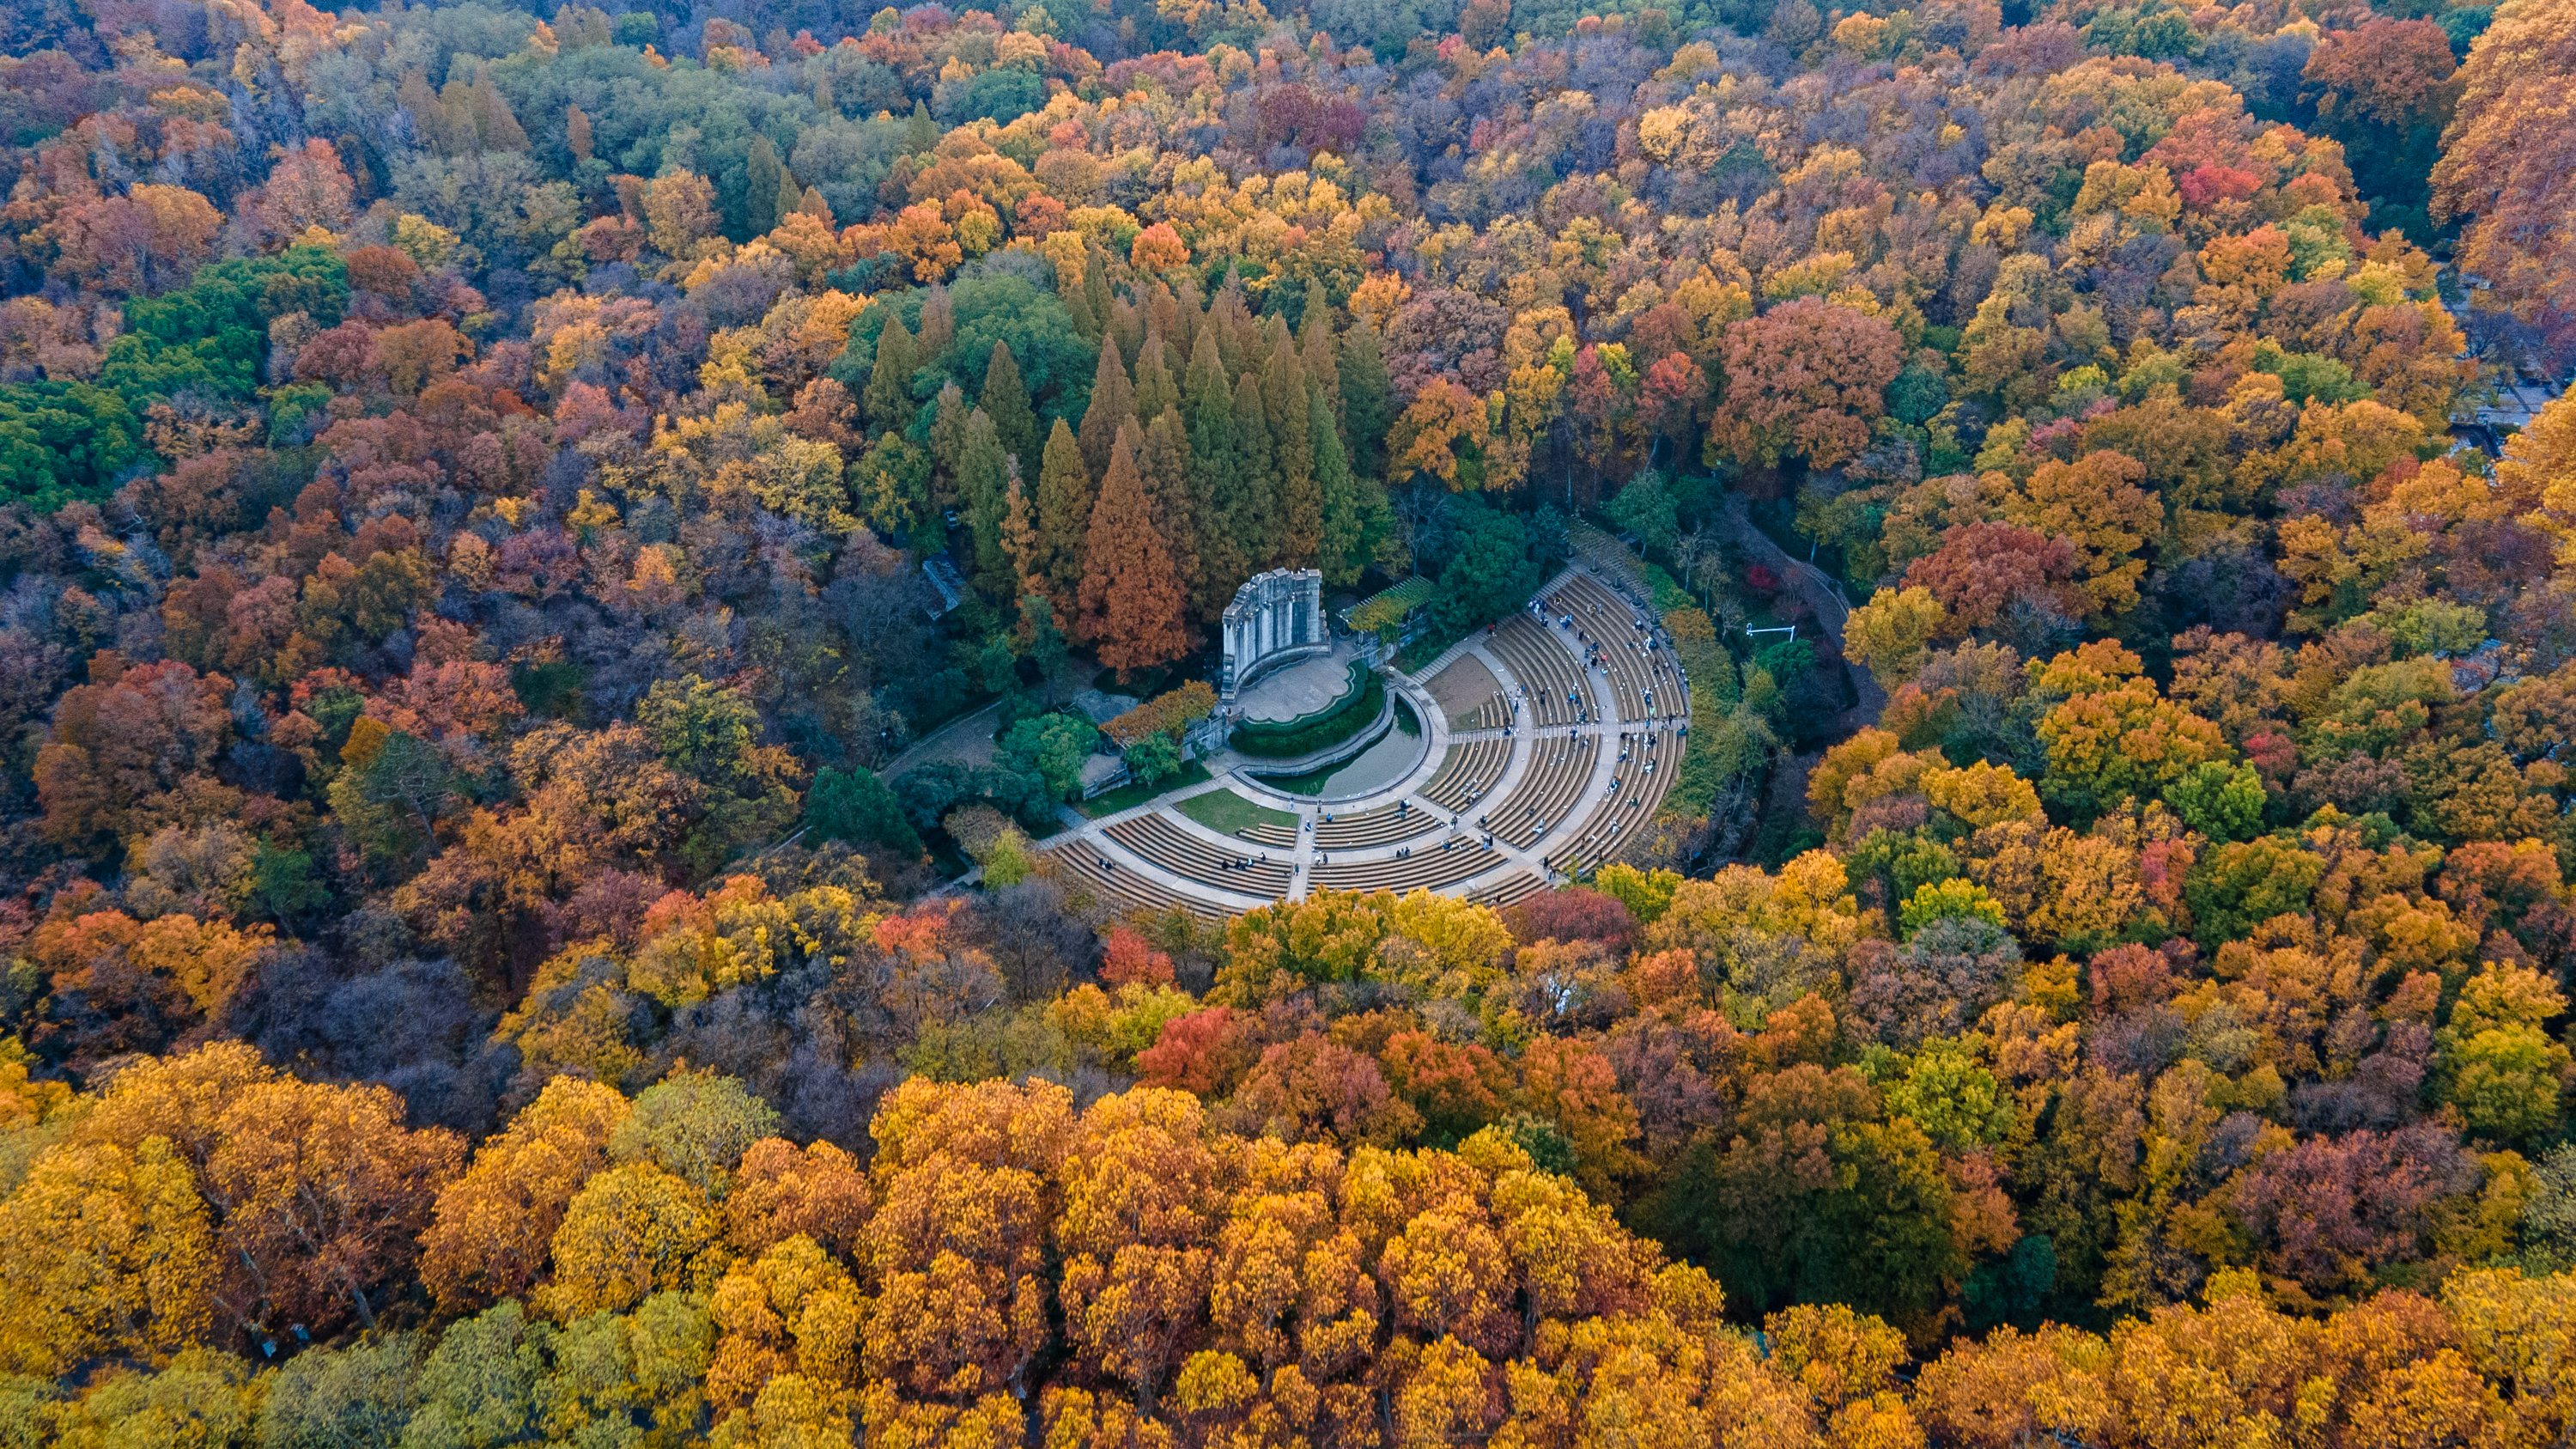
[496, 510]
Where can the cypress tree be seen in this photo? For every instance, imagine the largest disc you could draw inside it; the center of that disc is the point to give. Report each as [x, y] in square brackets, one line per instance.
[1341, 548]
[1095, 285]
[984, 481]
[1127, 327]
[1367, 398]
[1315, 349]
[1020, 538]
[947, 448]
[938, 326]
[1227, 318]
[888, 398]
[1113, 405]
[1251, 504]
[763, 175]
[1154, 388]
[790, 195]
[1165, 461]
[1284, 403]
[1006, 398]
[1131, 597]
[1077, 306]
[1208, 406]
[1064, 502]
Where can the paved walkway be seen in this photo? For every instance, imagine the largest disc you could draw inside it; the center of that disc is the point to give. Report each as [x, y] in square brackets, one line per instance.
[1229, 771]
[1825, 598]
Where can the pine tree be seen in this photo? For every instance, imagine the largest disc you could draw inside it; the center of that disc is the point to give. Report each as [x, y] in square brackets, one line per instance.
[1006, 398]
[920, 133]
[1131, 597]
[1249, 502]
[1113, 405]
[1165, 461]
[1284, 403]
[1208, 406]
[984, 482]
[888, 398]
[1064, 516]
[762, 176]
[1367, 398]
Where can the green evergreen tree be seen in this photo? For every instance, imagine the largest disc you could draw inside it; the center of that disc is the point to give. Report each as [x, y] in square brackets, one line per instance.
[888, 398]
[1095, 284]
[1065, 497]
[983, 481]
[1368, 399]
[1342, 550]
[763, 176]
[1006, 401]
[1155, 389]
[1250, 501]
[1298, 534]
[1113, 406]
[1224, 562]
[1165, 461]
[856, 806]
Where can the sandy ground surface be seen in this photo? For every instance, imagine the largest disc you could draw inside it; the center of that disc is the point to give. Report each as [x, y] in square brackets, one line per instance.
[1463, 686]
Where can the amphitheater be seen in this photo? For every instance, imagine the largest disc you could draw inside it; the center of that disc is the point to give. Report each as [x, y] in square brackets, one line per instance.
[1545, 745]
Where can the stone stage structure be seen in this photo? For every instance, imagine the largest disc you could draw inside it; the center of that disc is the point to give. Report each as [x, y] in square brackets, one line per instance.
[1275, 617]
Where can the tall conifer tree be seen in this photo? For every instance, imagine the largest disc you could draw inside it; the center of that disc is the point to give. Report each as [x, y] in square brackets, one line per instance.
[1209, 408]
[1300, 521]
[1064, 517]
[1165, 462]
[1131, 597]
[1006, 400]
[1113, 405]
[888, 398]
[1251, 504]
[984, 481]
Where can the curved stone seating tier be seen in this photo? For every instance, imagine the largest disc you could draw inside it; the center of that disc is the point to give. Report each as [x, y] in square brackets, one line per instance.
[1428, 868]
[1470, 770]
[1511, 890]
[1382, 826]
[1627, 810]
[1526, 777]
[1546, 792]
[1610, 622]
[1178, 851]
[1088, 868]
[1538, 659]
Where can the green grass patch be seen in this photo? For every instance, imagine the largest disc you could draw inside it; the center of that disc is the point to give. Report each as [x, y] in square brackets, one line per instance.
[1128, 797]
[1287, 739]
[1226, 812]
